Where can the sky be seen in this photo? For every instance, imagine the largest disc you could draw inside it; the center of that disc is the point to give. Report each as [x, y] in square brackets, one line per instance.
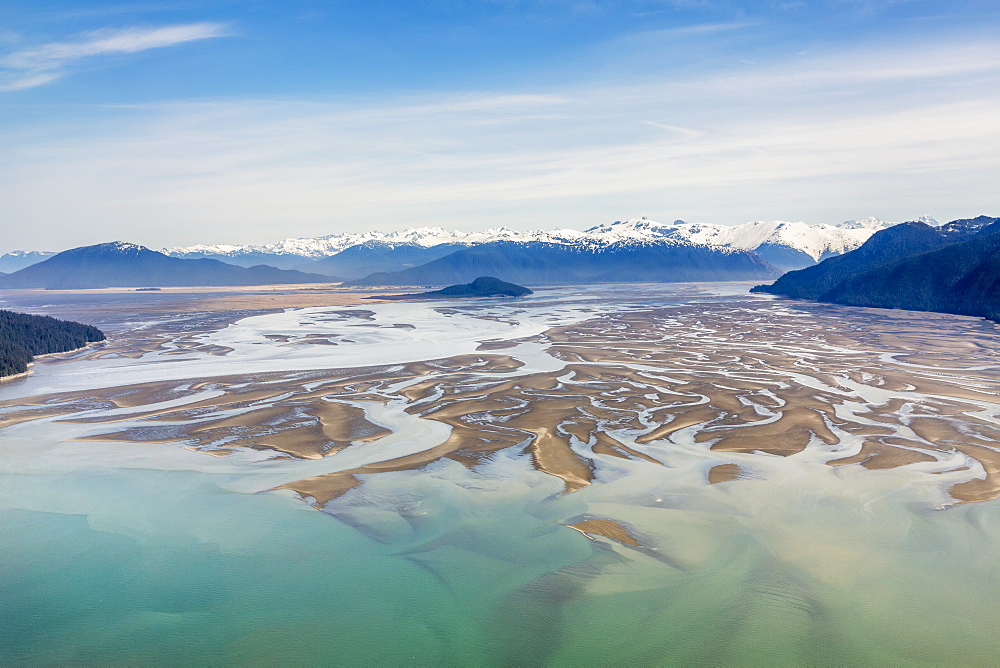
[176, 122]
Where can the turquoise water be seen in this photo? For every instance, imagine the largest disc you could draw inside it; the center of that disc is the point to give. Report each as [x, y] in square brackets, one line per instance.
[151, 554]
[169, 568]
[136, 566]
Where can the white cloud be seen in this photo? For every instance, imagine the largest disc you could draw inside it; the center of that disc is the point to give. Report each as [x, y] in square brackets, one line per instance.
[37, 66]
[823, 140]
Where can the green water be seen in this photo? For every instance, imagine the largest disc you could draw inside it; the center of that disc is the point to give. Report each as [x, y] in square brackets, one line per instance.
[150, 554]
[138, 566]
[165, 567]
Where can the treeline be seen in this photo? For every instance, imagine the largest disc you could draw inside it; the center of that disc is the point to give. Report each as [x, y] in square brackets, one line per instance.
[23, 336]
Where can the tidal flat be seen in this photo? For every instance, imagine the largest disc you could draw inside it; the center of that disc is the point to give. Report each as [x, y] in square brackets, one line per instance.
[608, 475]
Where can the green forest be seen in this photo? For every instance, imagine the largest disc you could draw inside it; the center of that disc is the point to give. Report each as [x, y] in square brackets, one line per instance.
[23, 336]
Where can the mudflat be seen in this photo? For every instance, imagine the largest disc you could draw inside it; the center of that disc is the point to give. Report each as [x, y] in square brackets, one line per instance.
[733, 381]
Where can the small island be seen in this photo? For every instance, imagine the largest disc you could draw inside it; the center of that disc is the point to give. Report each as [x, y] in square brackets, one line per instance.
[484, 286]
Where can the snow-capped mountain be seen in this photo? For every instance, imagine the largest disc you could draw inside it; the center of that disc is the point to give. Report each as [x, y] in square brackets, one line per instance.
[20, 259]
[814, 241]
[427, 237]
[782, 243]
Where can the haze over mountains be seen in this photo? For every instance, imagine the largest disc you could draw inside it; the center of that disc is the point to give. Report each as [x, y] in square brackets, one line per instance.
[540, 263]
[121, 264]
[785, 245]
[627, 251]
[20, 259]
[954, 268]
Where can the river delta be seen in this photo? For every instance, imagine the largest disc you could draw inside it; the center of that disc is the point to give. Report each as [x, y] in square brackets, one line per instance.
[623, 474]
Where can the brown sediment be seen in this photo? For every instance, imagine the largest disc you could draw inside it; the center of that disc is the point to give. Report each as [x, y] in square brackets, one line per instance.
[979, 489]
[299, 442]
[884, 380]
[278, 298]
[731, 376]
[689, 418]
[303, 427]
[553, 455]
[607, 528]
[724, 473]
[496, 345]
[343, 423]
[603, 444]
[323, 488]
[972, 437]
[31, 414]
[876, 455]
[957, 390]
[787, 435]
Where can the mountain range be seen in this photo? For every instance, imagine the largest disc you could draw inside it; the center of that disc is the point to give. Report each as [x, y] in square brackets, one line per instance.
[20, 259]
[536, 263]
[372, 256]
[954, 268]
[785, 245]
[633, 250]
[121, 264]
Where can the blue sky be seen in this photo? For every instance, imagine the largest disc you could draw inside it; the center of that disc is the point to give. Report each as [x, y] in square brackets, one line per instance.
[171, 123]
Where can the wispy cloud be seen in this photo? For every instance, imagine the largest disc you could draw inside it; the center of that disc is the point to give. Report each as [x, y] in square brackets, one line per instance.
[821, 139]
[44, 64]
[696, 30]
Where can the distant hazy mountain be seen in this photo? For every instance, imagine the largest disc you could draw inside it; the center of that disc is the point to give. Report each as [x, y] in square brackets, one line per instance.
[251, 259]
[954, 268]
[784, 244]
[20, 259]
[539, 263]
[120, 264]
[378, 256]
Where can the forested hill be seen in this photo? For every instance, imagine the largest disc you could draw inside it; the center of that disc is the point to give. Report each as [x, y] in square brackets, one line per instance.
[951, 269]
[484, 286]
[23, 336]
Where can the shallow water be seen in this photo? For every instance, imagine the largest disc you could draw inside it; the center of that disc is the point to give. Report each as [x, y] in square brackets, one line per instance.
[149, 553]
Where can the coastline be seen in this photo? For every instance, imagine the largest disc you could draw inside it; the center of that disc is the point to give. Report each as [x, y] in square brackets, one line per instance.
[596, 458]
[42, 356]
[16, 376]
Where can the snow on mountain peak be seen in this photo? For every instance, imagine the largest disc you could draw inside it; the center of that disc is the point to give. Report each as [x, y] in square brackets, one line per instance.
[814, 240]
[124, 247]
[870, 223]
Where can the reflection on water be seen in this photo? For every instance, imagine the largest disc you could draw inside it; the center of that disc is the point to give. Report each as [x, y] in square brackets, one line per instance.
[137, 550]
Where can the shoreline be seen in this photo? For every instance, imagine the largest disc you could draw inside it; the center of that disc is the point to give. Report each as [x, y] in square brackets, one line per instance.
[35, 358]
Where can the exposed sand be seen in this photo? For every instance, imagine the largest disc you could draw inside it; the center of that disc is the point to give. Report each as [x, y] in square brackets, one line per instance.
[608, 528]
[725, 380]
[724, 473]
